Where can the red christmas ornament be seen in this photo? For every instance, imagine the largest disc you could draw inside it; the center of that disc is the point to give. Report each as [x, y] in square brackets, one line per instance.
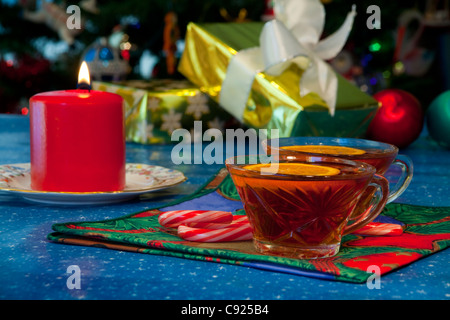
[399, 120]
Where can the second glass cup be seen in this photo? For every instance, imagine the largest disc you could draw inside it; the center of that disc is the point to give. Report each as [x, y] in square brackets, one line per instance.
[378, 154]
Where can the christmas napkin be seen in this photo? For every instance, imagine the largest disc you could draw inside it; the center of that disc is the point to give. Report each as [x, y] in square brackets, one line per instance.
[426, 231]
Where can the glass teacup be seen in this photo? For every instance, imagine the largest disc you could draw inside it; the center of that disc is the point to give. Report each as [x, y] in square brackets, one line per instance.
[300, 208]
[380, 155]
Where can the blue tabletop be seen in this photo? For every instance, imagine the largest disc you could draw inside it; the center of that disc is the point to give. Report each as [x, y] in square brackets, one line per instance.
[34, 268]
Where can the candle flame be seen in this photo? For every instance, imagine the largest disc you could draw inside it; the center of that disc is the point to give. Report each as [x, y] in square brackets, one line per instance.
[83, 75]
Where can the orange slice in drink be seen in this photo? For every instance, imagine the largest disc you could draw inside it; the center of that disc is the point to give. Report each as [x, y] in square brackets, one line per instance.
[301, 169]
[332, 150]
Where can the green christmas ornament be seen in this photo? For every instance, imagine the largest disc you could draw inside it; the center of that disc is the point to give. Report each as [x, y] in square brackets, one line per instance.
[438, 119]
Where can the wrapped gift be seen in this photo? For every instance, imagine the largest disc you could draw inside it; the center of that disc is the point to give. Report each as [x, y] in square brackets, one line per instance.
[155, 109]
[275, 76]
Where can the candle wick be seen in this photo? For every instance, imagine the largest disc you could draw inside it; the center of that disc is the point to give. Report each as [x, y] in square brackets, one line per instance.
[84, 86]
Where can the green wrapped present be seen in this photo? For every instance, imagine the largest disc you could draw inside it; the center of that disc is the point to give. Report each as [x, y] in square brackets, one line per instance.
[156, 108]
[274, 101]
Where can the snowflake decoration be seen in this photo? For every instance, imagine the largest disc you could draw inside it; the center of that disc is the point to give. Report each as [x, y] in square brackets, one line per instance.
[153, 104]
[197, 106]
[171, 121]
[216, 124]
[144, 131]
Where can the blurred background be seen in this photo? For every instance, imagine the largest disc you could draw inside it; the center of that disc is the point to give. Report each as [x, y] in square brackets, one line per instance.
[409, 49]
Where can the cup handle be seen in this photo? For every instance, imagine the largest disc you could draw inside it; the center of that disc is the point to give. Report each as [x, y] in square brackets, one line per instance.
[376, 205]
[405, 163]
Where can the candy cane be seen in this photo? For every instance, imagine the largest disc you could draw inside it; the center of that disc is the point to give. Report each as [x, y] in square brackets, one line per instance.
[238, 219]
[380, 229]
[239, 232]
[207, 226]
[172, 219]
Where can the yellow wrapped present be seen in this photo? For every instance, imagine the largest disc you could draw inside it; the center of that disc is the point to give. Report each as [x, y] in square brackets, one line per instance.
[155, 109]
[273, 75]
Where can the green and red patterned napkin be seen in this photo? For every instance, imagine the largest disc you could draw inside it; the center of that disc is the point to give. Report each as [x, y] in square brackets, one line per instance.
[426, 231]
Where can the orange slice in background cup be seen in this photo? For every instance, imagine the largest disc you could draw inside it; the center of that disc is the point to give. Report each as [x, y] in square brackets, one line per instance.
[323, 149]
[302, 169]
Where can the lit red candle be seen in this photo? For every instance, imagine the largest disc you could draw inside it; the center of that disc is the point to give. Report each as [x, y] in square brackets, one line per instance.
[77, 140]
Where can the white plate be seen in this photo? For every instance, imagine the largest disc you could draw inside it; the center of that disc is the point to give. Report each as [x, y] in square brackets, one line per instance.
[140, 179]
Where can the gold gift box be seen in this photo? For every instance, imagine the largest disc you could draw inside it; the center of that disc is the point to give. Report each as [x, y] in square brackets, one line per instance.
[155, 108]
[274, 102]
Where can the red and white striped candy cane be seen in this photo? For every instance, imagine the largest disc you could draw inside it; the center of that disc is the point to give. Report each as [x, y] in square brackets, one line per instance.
[380, 229]
[237, 219]
[172, 219]
[239, 232]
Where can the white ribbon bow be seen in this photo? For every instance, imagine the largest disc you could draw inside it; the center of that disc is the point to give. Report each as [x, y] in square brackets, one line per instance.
[292, 37]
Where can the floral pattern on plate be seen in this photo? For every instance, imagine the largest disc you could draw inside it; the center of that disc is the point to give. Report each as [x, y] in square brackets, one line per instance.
[140, 179]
